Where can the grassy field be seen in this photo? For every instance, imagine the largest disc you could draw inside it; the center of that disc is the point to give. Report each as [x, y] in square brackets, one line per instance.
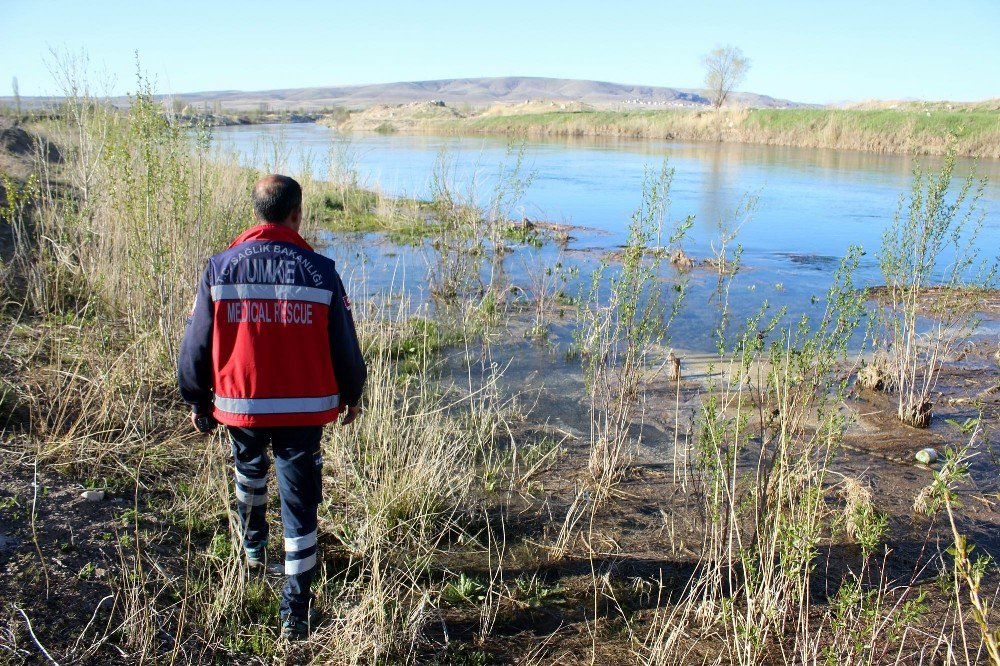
[968, 130]
[973, 133]
[758, 507]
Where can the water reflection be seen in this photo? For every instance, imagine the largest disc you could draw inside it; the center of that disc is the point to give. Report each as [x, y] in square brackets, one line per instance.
[813, 204]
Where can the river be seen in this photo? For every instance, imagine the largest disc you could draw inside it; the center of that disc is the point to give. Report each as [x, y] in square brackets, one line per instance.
[812, 204]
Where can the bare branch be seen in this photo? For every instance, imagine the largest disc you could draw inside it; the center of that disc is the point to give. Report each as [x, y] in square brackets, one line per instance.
[725, 68]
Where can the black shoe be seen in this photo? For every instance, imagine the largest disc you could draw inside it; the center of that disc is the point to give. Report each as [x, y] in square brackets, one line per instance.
[256, 555]
[294, 628]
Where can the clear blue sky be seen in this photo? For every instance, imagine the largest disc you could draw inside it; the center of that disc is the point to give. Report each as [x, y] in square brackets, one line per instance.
[803, 50]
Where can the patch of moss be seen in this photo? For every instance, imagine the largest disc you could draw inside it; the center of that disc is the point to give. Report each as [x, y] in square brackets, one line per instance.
[418, 340]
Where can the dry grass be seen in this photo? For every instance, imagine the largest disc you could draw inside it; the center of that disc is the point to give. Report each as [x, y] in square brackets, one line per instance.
[423, 492]
[973, 133]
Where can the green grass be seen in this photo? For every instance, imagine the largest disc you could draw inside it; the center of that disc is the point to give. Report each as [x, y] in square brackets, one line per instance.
[938, 123]
[357, 210]
[523, 234]
[349, 209]
[249, 631]
[410, 232]
[417, 340]
[975, 130]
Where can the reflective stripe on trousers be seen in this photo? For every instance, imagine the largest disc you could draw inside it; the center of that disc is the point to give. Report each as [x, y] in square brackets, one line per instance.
[299, 473]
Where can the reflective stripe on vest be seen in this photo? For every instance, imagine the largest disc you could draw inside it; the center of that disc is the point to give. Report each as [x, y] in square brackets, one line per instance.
[277, 405]
[270, 292]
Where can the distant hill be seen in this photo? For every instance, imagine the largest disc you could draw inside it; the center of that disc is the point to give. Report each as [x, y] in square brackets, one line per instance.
[453, 92]
[476, 92]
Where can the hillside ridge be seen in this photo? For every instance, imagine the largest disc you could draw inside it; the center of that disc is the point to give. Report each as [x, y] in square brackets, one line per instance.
[475, 91]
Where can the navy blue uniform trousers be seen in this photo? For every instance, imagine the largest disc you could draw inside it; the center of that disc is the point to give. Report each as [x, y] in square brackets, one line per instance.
[299, 466]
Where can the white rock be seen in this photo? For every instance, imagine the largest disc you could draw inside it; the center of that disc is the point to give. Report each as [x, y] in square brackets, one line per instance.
[92, 495]
[927, 456]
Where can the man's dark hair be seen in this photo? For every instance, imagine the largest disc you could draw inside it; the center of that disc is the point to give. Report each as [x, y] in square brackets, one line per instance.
[275, 197]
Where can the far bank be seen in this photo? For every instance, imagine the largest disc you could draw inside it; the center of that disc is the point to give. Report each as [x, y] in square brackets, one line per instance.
[973, 130]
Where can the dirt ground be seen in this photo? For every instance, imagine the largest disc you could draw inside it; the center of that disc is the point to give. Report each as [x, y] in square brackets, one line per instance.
[59, 553]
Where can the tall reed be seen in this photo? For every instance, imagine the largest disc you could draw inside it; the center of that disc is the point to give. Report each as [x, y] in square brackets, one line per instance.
[934, 267]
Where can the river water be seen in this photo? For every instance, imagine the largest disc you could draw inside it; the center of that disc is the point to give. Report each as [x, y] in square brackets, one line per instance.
[812, 204]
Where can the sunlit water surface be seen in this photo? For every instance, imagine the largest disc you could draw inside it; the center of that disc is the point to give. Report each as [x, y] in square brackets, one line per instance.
[812, 205]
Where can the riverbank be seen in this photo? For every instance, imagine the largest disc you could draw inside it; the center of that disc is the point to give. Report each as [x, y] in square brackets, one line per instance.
[531, 482]
[973, 131]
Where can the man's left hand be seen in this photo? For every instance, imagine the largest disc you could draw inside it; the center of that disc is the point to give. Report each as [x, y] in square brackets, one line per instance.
[203, 423]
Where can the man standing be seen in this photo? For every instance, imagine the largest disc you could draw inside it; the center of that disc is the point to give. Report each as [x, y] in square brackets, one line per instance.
[271, 352]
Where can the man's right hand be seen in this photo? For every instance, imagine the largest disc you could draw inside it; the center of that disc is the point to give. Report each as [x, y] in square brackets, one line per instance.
[353, 412]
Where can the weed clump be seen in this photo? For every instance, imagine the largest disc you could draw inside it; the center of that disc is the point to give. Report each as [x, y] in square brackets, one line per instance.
[932, 244]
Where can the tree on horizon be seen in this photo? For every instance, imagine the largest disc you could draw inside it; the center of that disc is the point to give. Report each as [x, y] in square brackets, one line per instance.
[725, 68]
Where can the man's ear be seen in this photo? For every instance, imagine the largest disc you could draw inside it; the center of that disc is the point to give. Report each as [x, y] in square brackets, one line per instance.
[296, 217]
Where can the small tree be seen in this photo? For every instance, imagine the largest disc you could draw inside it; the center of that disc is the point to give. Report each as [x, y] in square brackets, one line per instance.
[17, 95]
[725, 68]
[86, 133]
[935, 271]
